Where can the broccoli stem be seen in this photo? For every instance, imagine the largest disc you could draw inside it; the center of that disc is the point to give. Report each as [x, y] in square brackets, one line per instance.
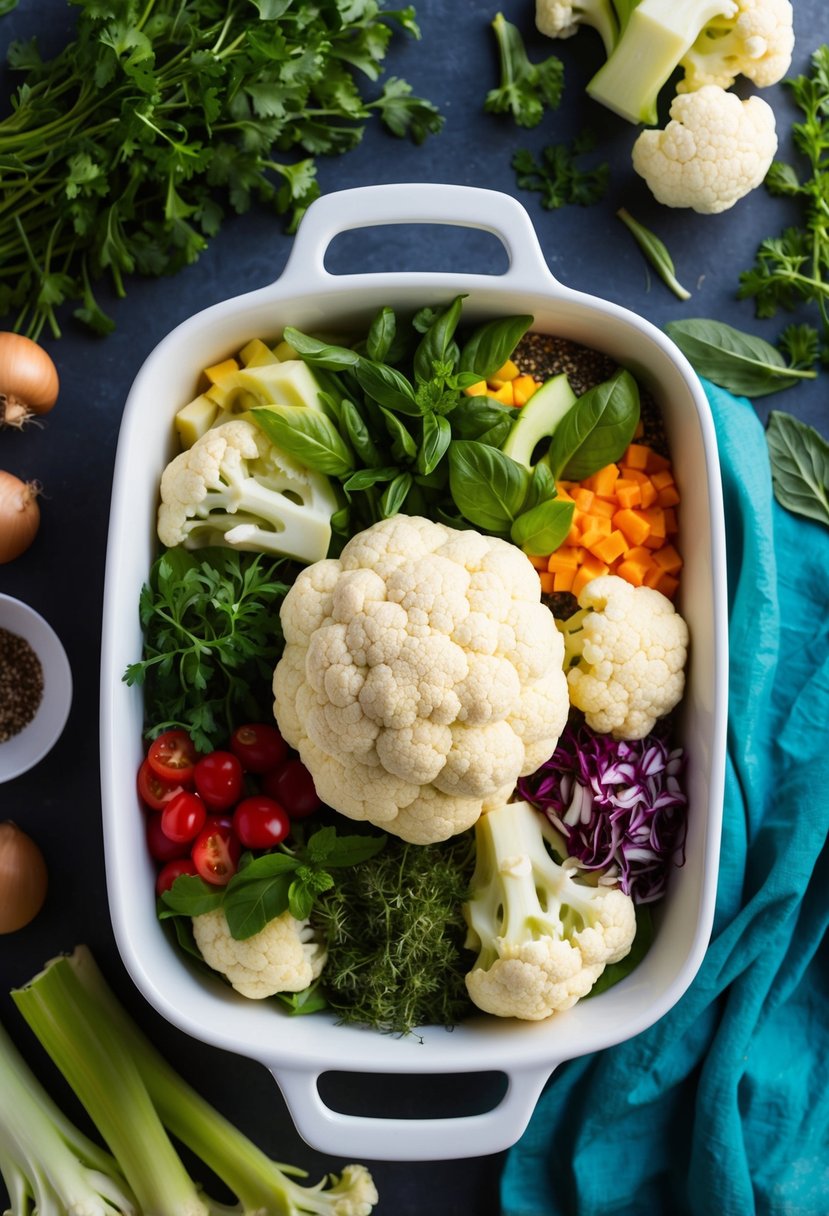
[657, 35]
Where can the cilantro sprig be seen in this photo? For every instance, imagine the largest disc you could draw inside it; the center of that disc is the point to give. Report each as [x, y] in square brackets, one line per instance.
[123, 153]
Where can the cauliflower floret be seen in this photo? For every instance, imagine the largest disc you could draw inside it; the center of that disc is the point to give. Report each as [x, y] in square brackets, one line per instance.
[714, 150]
[234, 487]
[429, 681]
[757, 44]
[629, 646]
[283, 957]
[543, 939]
[564, 18]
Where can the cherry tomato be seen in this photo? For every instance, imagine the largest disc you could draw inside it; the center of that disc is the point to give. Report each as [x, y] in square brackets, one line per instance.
[259, 746]
[172, 756]
[183, 817]
[168, 873]
[153, 791]
[260, 822]
[216, 850]
[161, 847]
[293, 788]
[219, 779]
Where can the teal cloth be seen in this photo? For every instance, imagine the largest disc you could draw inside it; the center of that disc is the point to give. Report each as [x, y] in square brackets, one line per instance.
[722, 1107]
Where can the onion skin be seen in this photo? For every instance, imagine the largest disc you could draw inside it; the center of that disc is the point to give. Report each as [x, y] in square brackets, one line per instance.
[23, 878]
[29, 383]
[19, 515]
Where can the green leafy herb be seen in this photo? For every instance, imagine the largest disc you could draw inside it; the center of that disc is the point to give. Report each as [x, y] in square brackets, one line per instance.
[542, 528]
[793, 268]
[395, 934]
[656, 252]
[526, 89]
[122, 153]
[737, 361]
[212, 637]
[799, 466]
[488, 488]
[308, 435]
[558, 177]
[597, 429]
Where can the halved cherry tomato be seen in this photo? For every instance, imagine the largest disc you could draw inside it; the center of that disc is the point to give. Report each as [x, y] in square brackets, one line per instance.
[153, 791]
[183, 817]
[219, 779]
[259, 746]
[172, 756]
[161, 847]
[293, 788]
[260, 822]
[216, 850]
[168, 873]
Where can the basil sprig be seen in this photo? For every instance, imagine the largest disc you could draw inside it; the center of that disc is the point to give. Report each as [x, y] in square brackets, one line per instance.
[737, 361]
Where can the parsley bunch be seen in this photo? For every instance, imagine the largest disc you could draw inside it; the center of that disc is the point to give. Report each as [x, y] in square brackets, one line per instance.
[793, 268]
[122, 153]
[212, 637]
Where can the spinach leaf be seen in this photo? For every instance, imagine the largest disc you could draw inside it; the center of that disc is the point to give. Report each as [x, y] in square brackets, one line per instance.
[489, 489]
[799, 466]
[543, 528]
[491, 345]
[308, 435]
[737, 361]
[597, 429]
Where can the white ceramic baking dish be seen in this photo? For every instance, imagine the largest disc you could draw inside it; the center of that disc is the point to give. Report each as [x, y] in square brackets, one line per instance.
[299, 1050]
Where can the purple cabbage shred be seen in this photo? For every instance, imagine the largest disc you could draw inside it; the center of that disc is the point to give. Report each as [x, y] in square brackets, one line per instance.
[619, 804]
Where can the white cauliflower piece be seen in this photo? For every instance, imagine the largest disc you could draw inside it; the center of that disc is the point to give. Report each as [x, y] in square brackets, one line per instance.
[564, 18]
[421, 676]
[714, 150]
[757, 44]
[283, 957]
[543, 938]
[234, 487]
[629, 646]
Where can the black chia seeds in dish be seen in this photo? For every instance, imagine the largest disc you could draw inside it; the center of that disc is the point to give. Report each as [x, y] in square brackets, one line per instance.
[21, 684]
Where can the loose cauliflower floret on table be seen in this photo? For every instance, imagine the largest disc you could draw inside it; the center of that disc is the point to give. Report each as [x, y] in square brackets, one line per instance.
[629, 646]
[714, 150]
[421, 676]
[756, 43]
[285, 956]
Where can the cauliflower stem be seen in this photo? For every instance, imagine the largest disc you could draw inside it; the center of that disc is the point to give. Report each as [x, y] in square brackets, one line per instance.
[543, 938]
[91, 1038]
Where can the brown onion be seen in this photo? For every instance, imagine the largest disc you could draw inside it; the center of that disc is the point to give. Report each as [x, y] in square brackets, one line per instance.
[23, 878]
[28, 380]
[19, 515]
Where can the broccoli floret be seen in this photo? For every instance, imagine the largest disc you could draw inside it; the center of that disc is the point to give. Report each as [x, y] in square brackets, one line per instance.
[543, 937]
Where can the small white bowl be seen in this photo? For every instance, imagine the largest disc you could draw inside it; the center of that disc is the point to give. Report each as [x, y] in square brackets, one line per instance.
[23, 751]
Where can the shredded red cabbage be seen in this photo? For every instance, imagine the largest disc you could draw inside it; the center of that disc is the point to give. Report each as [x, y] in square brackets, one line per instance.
[618, 803]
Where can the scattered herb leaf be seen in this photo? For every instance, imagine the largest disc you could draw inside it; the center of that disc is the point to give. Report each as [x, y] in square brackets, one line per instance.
[656, 252]
[526, 89]
[799, 466]
[558, 177]
[737, 361]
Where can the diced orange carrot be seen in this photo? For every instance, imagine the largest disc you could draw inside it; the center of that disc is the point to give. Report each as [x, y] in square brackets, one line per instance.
[563, 580]
[564, 558]
[598, 523]
[656, 463]
[592, 535]
[668, 559]
[603, 507]
[668, 585]
[583, 498]
[603, 482]
[662, 478]
[523, 388]
[639, 553]
[648, 490]
[574, 536]
[669, 497]
[506, 372]
[629, 473]
[585, 575]
[502, 394]
[539, 561]
[671, 525]
[610, 547]
[633, 524]
[547, 582]
[652, 576]
[479, 389]
[632, 571]
[628, 493]
[636, 455]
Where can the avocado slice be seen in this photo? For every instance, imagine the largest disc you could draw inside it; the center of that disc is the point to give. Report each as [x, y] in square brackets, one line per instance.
[538, 419]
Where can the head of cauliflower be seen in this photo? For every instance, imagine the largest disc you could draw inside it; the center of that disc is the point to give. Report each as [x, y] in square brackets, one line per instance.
[421, 676]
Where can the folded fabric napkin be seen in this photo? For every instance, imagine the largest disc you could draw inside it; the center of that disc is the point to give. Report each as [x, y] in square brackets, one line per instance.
[722, 1107]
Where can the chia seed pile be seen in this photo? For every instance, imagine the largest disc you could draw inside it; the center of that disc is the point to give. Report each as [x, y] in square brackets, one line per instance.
[21, 684]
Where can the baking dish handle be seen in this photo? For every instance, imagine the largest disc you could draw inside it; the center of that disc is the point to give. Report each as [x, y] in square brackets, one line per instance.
[358, 1136]
[415, 203]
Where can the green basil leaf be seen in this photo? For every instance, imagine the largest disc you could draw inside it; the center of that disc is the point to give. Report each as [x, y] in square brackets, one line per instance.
[381, 335]
[248, 906]
[799, 466]
[403, 445]
[483, 419]
[352, 850]
[267, 865]
[190, 896]
[340, 521]
[737, 361]
[597, 429]
[492, 344]
[300, 900]
[436, 346]
[387, 386]
[363, 478]
[358, 434]
[488, 487]
[307, 435]
[437, 434]
[395, 495]
[542, 486]
[320, 354]
[543, 528]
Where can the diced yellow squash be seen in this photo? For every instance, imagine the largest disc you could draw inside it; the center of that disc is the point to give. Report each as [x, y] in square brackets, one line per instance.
[193, 419]
[255, 353]
[507, 371]
[217, 371]
[284, 350]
